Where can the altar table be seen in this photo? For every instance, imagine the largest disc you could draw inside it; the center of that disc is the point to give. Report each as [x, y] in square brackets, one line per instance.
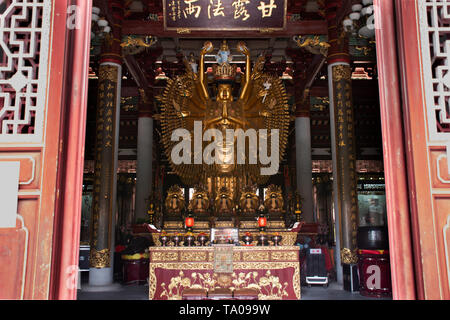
[273, 271]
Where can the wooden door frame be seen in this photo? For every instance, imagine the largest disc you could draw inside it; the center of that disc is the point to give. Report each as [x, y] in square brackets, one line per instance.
[394, 150]
[429, 200]
[73, 106]
[398, 56]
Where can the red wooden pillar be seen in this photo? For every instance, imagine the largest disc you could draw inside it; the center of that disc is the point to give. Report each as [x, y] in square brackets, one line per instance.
[400, 243]
[71, 159]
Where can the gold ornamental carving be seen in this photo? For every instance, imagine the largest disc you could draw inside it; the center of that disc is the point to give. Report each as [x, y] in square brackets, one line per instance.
[276, 224]
[255, 256]
[164, 256]
[236, 255]
[155, 237]
[313, 44]
[193, 256]
[270, 225]
[341, 72]
[173, 225]
[284, 256]
[248, 225]
[268, 285]
[224, 224]
[173, 283]
[100, 258]
[210, 281]
[108, 72]
[224, 280]
[135, 44]
[348, 256]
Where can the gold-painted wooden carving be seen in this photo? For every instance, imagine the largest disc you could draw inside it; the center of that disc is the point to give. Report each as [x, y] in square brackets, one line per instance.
[261, 104]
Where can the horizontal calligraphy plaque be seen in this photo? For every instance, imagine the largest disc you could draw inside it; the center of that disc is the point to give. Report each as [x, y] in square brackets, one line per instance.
[225, 14]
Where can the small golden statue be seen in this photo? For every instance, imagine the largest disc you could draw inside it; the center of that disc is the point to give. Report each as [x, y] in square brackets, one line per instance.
[298, 210]
[151, 212]
[174, 201]
[274, 202]
[224, 202]
[199, 204]
[249, 200]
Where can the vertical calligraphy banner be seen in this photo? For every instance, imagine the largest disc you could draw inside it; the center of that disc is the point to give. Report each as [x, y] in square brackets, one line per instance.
[104, 167]
[345, 160]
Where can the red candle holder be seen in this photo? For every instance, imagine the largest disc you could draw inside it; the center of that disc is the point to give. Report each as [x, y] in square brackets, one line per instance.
[189, 222]
[262, 223]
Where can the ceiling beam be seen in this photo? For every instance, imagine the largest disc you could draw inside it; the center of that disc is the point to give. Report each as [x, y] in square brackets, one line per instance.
[136, 72]
[314, 69]
[156, 28]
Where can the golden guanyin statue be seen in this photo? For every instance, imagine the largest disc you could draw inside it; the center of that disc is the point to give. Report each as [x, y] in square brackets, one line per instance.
[175, 201]
[249, 201]
[274, 202]
[224, 202]
[189, 99]
[199, 204]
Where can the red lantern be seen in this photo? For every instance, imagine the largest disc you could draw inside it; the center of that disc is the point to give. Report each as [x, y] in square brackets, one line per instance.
[262, 222]
[189, 222]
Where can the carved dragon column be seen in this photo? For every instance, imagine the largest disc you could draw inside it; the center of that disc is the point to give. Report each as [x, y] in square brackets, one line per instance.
[343, 142]
[107, 137]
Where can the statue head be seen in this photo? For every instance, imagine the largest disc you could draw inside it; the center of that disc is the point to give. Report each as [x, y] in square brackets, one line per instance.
[224, 92]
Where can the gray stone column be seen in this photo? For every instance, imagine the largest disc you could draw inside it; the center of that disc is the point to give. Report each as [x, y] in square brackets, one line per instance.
[303, 157]
[144, 168]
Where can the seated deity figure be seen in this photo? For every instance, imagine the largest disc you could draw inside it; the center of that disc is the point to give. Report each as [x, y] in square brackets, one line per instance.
[199, 204]
[249, 201]
[174, 201]
[224, 202]
[274, 200]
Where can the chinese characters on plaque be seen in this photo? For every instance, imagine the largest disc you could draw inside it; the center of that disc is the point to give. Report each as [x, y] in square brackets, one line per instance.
[225, 14]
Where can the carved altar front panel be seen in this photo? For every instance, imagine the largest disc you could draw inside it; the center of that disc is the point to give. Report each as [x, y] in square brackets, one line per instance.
[274, 272]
